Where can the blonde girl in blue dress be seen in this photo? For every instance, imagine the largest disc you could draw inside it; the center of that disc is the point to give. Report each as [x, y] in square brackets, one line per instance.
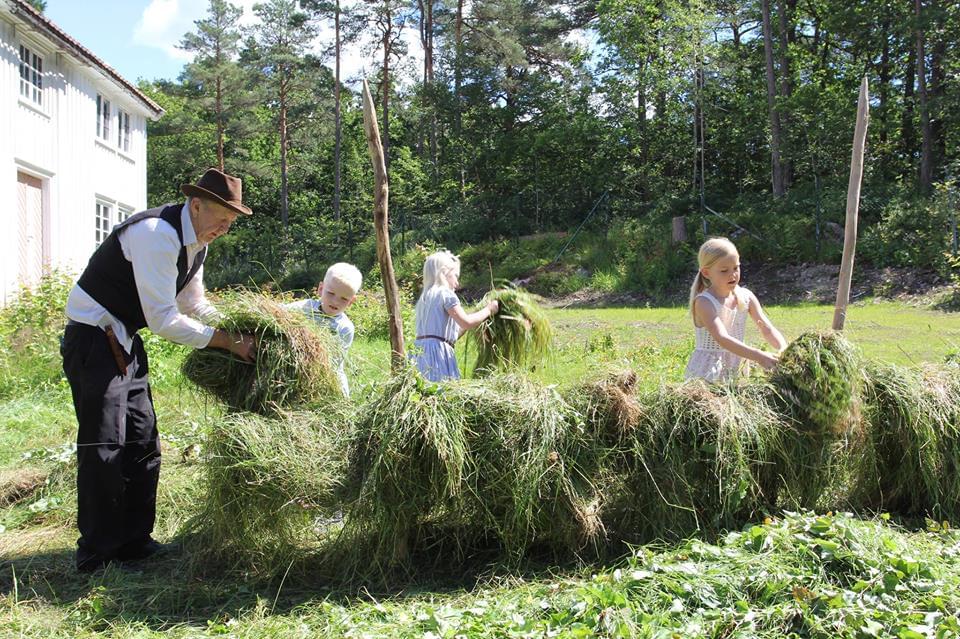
[441, 319]
[720, 307]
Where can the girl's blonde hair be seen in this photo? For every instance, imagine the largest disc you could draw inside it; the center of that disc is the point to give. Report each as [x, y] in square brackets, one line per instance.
[435, 270]
[716, 248]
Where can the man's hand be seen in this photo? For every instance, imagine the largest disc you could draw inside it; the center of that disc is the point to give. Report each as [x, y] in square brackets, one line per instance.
[240, 344]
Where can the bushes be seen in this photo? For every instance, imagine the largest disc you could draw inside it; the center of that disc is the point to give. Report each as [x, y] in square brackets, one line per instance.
[30, 330]
[910, 232]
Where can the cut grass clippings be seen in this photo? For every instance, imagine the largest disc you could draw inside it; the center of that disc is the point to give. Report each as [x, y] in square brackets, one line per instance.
[270, 482]
[518, 336]
[292, 366]
[458, 467]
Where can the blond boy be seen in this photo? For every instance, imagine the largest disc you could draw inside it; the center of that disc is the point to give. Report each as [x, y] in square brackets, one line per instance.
[335, 294]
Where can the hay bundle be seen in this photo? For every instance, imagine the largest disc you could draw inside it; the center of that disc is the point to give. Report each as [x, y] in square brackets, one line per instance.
[518, 335]
[818, 381]
[701, 459]
[905, 424]
[292, 366]
[817, 389]
[270, 482]
[459, 467]
[610, 406]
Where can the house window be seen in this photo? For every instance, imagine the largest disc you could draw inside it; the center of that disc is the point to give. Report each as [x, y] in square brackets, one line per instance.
[123, 213]
[31, 75]
[103, 117]
[103, 225]
[123, 130]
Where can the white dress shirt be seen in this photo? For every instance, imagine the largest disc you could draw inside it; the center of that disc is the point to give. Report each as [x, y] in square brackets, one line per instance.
[153, 248]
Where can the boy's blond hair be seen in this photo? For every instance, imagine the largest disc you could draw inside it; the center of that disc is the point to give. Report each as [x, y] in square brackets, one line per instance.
[347, 274]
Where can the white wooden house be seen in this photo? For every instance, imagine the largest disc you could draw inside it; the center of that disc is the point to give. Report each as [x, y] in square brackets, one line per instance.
[73, 148]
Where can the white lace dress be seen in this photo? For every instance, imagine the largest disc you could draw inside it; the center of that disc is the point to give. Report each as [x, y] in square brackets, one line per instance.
[709, 360]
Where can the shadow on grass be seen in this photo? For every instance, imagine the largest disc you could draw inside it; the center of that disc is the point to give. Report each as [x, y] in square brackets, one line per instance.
[176, 590]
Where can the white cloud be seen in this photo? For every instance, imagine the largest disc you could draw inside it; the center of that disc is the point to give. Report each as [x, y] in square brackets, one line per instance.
[163, 24]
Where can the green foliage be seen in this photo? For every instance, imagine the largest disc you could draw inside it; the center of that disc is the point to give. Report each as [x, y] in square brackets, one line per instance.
[371, 320]
[910, 232]
[30, 329]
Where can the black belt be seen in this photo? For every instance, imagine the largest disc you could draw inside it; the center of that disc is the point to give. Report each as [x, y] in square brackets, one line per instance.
[442, 339]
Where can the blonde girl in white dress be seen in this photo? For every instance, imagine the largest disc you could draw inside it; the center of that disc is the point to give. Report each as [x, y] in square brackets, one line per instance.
[720, 306]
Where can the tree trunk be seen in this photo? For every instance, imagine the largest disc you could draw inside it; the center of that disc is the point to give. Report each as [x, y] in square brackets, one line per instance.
[385, 97]
[926, 146]
[853, 208]
[884, 87]
[337, 124]
[786, 87]
[937, 95]
[428, 63]
[218, 107]
[776, 168]
[457, 86]
[381, 224]
[284, 210]
[908, 135]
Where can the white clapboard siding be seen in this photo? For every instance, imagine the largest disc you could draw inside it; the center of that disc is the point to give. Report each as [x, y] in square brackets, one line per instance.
[54, 169]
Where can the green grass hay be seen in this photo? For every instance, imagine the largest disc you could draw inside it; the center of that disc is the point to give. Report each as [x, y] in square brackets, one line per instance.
[270, 482]
[436, 476]
[914, 424]
[292, 366]
[818, 380]
[519, 335]
[460, 467]
[816, 388]
[701, 458]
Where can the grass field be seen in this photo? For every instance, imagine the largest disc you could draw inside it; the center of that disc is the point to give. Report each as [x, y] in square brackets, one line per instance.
[816, 575]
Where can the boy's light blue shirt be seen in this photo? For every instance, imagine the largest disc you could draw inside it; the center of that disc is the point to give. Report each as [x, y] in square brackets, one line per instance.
[339, 324]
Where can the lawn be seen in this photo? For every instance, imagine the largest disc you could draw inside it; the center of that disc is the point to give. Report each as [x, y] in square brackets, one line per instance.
[820, 575]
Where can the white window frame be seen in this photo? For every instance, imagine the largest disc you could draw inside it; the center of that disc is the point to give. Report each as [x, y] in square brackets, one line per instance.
[123, 213]
[123, 130]
[103, 117]
[31, 75]
[103, 222]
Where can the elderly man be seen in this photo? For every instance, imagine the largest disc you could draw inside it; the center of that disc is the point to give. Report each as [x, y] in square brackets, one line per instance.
[147, 273]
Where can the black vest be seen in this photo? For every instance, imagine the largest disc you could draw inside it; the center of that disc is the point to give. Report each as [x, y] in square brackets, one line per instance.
[109, 280]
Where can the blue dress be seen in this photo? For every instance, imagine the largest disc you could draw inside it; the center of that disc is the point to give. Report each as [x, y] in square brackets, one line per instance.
[435, 358]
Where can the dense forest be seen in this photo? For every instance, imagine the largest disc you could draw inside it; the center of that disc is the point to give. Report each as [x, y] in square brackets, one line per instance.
[522, 117]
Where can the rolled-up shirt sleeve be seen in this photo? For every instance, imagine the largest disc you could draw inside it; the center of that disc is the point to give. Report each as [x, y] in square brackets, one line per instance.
[153, 248]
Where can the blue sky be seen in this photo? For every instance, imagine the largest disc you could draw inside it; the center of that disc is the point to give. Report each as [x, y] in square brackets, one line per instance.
[138, 38]
[123, 33]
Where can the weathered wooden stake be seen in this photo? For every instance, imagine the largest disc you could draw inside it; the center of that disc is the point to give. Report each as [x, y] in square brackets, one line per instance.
[679, 234]
[853, 207]
[381, 226]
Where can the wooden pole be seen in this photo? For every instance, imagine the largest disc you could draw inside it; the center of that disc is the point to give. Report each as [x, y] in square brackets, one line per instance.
[853, 207]
[382, 228]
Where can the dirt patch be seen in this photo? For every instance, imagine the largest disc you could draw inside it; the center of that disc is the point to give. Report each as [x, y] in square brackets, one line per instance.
[20, 484]
[818, 282]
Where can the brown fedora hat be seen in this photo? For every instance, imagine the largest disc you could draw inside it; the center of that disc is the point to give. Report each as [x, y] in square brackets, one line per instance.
[221, 188]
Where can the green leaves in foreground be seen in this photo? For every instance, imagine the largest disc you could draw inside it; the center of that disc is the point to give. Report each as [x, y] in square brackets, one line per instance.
[800, 576]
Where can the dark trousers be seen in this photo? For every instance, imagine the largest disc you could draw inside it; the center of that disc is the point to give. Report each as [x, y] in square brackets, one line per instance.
[118, 448]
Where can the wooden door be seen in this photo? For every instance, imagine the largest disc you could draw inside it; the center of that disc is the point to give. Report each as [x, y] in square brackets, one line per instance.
[30, 231]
